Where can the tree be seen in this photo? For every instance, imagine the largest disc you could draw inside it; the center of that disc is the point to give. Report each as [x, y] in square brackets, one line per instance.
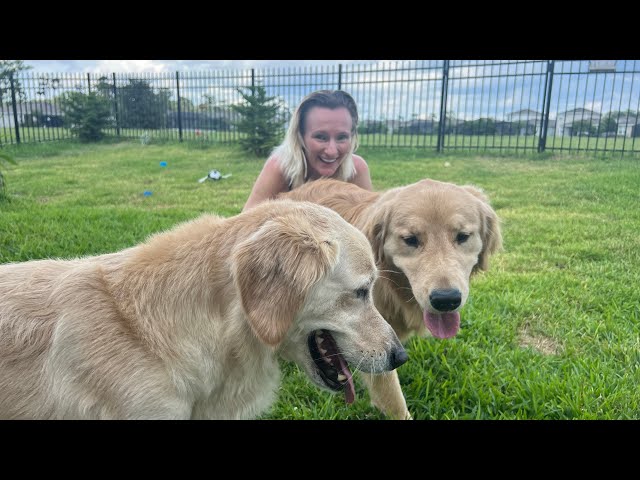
[482, 126]
[141, 107]
[261, 119]
[608, 124]
[582, 128]
[87, 114]
[9, 68]
[209, 102]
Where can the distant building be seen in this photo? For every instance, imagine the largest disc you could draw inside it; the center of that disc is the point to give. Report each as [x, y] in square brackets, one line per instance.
[528, 122]
[34, 114]
[420, 126]
[565, 121]
[629, 126]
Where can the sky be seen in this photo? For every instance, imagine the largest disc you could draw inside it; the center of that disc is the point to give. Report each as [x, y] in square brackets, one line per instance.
[476, 88]
[158, 66]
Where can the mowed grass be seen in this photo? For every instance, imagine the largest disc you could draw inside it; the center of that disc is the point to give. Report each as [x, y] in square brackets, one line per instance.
[551, 331]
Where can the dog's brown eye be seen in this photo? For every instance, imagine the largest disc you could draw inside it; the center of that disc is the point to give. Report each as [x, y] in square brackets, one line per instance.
[362, 293]
[412, 241]
[462, 237]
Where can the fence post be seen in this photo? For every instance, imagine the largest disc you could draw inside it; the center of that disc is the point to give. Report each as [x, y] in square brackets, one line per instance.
[15, 109]
[115, 104]
[339, 76]
[253, 79]
[179, 109]
[89, 82]
[547, 102]
[443, 105]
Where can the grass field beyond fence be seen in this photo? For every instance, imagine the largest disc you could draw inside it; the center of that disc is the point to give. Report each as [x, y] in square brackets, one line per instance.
[453, 142]
[551, 331]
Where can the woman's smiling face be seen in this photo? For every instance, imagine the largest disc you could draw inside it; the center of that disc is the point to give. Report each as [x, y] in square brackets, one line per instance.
[327, 139]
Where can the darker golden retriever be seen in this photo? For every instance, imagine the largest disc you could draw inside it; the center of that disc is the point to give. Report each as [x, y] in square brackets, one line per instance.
[428, 238]
[190, 323]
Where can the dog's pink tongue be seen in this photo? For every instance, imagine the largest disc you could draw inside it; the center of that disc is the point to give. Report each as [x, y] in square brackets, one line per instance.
[442, 325]
[349, 389]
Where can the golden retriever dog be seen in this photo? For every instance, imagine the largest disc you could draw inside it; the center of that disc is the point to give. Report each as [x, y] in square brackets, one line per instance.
[191, 323]
[428, 238]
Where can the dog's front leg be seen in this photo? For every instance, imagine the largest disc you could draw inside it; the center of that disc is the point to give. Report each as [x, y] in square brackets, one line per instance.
[386, 394]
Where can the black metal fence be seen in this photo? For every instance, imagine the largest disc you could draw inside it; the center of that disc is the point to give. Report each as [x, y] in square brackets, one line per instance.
[442, 105]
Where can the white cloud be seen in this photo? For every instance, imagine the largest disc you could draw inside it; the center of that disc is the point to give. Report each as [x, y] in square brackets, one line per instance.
[129, 66]
[157, 66]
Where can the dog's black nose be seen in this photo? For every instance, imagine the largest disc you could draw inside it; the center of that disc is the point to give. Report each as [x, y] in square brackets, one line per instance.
[446, 300]
[398, 357]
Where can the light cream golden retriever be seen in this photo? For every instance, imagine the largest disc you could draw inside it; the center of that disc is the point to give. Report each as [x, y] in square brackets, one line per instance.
[428, 238]
[190, 323]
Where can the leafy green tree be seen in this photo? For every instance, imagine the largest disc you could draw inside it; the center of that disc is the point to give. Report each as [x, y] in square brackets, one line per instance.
[372, 126]
[8, 68]
[583, 127]
[608, 124]
[209, 102]
[261, 119]
[141, 107]
[87, 114]
[186, 105]
[482, 126]
[4, 158]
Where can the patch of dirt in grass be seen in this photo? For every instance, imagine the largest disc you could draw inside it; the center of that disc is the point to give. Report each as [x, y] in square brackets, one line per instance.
[541, 343]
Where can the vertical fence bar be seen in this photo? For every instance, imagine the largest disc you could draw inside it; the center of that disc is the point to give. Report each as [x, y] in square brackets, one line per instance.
[398, 85]
[496, 123]
[339, 76]
[115, 104]
[548, 83]
[179, 109]
[443, 106]
[624, 138]
[15, 108]
[560, 80]
[88, 82]
[599, 129]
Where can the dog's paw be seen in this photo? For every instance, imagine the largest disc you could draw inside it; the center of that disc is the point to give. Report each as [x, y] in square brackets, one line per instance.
[401, 416]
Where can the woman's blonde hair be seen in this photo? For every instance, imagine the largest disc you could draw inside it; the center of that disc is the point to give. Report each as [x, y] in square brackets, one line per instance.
[290, 153]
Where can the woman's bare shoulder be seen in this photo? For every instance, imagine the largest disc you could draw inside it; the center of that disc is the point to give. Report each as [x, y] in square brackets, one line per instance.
[273, 171]
[362, 177]
[272, 162]
[359, 162]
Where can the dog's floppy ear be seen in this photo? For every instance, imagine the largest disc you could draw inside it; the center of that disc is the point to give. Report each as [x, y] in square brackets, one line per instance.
[490, 230]
[376, 230]
[274, 269]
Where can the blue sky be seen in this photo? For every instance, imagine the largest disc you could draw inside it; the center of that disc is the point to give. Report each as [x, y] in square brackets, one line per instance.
[477, 88]
[157, 66]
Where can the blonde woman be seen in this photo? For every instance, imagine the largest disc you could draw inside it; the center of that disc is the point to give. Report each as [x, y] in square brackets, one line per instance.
[320, 143]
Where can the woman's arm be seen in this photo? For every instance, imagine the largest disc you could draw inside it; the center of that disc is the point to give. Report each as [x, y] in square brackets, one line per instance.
[269, 183]
[362, 177]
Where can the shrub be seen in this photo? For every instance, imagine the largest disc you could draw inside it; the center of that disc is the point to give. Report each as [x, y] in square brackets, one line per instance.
[261, 121]
[86, 115]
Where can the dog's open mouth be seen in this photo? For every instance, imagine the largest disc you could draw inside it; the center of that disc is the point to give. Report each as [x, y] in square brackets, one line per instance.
[442, 325]
[332, 366]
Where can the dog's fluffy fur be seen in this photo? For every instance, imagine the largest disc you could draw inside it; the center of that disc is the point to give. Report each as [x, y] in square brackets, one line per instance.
[190, 323]
[428, 238]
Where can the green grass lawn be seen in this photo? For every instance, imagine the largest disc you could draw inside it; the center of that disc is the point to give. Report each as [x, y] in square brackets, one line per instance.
[484, 144]
[551, 331]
